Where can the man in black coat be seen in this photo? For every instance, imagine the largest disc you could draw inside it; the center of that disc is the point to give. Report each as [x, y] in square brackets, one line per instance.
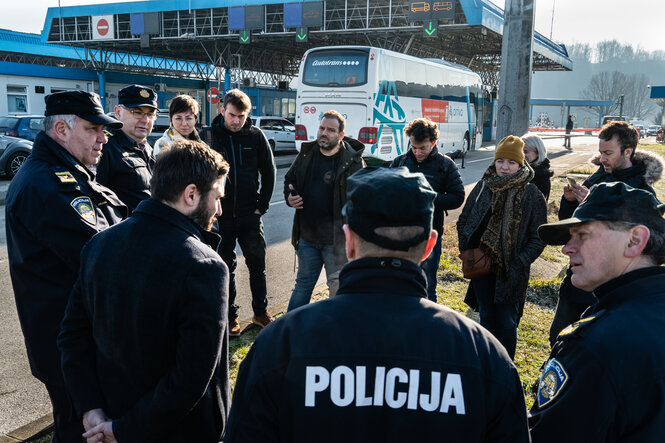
[619, 161]
[248, 152]
[443, 176]
[604, 378]
[127, 159]
[145, 354]
[569, 128]
[53, 207]
[379, 362]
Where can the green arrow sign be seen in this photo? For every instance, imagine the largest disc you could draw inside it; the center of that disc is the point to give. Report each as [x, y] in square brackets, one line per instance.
[245, 37]
[301, 35]
[431, 27]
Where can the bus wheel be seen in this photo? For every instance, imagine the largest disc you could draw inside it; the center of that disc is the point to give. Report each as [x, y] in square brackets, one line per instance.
[465, 143]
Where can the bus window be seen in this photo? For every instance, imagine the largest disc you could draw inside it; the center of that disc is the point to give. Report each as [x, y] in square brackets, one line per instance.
[336, 67]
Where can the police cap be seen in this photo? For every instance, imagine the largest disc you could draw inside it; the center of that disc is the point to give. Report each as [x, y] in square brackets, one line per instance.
[389, 197]
[83, 104]
[614, 201]
[137, 95]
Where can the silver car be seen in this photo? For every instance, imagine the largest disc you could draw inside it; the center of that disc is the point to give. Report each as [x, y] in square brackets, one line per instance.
[13, 153]
[280, 132]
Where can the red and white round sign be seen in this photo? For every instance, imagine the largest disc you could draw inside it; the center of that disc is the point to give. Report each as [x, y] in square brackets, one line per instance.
[213, 95]
[103, 27]
[306, 110]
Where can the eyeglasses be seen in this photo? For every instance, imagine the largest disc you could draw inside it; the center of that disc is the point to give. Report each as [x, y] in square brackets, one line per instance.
[138, 114]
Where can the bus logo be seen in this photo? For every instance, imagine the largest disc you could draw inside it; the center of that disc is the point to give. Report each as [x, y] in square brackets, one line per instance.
[442, 6]
[420, 7]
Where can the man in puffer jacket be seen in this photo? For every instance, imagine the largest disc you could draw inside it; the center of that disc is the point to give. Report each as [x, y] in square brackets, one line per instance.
[618, 161]
[246, 149]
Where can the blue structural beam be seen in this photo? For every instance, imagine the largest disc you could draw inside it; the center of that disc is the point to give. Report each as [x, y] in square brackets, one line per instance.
[569, 102]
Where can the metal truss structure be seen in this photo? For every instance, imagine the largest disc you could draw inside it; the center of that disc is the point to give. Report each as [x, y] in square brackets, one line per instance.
[201, 38]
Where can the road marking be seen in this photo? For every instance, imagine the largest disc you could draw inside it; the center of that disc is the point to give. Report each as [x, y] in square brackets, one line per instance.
[277, 202]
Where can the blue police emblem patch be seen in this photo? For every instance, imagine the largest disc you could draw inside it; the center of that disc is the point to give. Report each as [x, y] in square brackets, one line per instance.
[552, 381]
[84, 207]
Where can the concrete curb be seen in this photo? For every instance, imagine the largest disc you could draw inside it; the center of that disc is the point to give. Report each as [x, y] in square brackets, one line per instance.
[31, 431]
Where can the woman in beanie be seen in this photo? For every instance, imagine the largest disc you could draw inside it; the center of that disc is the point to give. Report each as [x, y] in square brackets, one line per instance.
[183, 112]
[501, 218]
[536, 155]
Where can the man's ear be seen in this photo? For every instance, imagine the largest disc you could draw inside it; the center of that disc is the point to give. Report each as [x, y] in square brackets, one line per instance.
[433, 235]
[191, 196]
[349, 235]
[116, 111]
[639, 236]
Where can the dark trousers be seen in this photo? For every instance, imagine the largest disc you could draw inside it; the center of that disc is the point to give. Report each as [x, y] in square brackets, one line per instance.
[498, 318]
[572, 304]
[431, 266]
[248, 232]
[68, 426]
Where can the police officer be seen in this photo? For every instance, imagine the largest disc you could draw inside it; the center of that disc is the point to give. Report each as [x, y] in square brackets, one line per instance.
[53, 207]
[127, 160]
[354, 368]
[604, 379]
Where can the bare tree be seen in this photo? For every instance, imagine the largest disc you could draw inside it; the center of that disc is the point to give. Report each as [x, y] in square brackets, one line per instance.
[611, 85]
[580, 52]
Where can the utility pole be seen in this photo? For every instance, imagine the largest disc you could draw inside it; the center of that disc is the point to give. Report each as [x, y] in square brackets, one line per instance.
[621, 105]
[516, 64]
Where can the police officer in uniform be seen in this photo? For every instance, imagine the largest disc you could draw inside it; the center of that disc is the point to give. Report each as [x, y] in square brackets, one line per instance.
[604, 379]
[379, 361]
[53, 207]
[127, 160]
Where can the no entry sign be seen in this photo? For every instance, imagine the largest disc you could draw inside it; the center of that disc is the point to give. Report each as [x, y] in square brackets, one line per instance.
[102, 27]
[213, 95]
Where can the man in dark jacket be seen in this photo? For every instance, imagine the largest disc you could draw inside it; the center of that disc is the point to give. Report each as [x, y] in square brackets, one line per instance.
[569, 128]
[53, 207]
[618, 161]
[442, 175]
[354, 368]
[315, 186]
[247, 150]
[145, 354]
[127, 159]
[604, 378]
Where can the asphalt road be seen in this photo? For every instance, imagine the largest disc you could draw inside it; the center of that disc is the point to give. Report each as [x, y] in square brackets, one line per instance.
[23, 399]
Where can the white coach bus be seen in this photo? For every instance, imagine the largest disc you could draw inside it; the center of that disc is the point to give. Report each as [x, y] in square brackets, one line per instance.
[380, 91]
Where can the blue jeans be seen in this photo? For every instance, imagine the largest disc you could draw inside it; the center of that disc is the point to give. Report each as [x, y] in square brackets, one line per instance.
[500, 319]
[431, 266]
[311, 258]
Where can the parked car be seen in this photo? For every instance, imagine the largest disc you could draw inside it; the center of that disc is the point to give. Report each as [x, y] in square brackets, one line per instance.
[652, 130]
[280, 132]
[22, 126]
[13, 153]
[642, 129]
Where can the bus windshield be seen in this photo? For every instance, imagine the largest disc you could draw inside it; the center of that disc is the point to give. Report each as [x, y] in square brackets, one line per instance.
[336, 68]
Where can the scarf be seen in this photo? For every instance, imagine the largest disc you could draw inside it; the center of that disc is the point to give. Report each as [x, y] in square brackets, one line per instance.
[498, 240]
[175, 135]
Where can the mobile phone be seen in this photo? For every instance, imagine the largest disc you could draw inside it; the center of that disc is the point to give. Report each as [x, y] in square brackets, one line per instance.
[571, 180]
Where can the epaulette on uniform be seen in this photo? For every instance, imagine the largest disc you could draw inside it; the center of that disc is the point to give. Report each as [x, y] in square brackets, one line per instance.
[573, 330]
[108, 133]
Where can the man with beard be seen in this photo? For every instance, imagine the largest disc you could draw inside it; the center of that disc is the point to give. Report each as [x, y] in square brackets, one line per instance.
[53, 207]
[127, 160]
[618, 161]
[315, 186]
[145, 354]
[248, 152]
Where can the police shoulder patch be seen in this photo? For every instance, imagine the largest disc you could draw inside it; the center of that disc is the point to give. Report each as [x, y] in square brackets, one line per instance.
[570, 330]
[552, 381]
[65, 177]
[84, 207]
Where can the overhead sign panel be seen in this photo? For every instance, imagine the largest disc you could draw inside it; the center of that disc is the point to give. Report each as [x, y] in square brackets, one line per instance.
[312, 14]
[255, 17]
[102, 27]
[236, 18]
[422, 11]
[292, 15]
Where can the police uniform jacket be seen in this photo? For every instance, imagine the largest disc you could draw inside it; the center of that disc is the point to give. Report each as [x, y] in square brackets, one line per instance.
[248, 154]
[53, 207]
[377, 363]
[125, 168]
[150, 347]
[443, 176]
[604, 380]
[350, 162]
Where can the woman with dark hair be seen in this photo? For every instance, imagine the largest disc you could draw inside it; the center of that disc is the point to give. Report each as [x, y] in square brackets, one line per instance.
[183, 112]
[501, 219]
[536, 155]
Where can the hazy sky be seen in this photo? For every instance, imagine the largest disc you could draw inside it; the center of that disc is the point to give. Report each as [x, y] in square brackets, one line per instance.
[638, 22]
